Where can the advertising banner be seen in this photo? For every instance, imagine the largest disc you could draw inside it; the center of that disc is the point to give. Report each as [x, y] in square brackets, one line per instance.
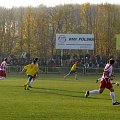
[75, 41]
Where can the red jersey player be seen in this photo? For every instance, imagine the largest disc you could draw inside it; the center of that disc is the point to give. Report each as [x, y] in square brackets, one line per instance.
[105, 82]
[3, 69]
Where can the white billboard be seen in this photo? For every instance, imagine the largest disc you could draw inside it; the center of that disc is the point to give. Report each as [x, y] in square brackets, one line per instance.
[75, 41]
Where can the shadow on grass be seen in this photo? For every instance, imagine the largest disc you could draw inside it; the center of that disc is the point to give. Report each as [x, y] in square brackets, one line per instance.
[67, 93]
[63, 92]
[59, 92]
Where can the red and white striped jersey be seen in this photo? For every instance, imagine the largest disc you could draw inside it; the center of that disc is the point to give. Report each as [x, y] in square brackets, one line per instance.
[3, 65]
[108, 69]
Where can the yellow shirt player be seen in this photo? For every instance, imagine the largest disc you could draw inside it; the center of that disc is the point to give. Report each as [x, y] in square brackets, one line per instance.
[35, 76]
[72, 70]
[31, 70]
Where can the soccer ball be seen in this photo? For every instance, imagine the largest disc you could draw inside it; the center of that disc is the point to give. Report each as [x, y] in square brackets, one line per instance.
[117, 83]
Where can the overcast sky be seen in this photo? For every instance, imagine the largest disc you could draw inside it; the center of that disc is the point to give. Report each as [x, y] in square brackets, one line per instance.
[50, 3]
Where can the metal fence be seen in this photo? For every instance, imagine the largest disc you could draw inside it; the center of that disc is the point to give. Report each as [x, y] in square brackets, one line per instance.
[63, 70]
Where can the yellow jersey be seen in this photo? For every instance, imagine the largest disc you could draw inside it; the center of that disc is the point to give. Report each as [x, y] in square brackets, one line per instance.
[31, 69]
[74, 67]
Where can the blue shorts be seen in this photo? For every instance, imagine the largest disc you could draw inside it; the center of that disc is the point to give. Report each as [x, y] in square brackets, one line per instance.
[71, 72]
[30, 77]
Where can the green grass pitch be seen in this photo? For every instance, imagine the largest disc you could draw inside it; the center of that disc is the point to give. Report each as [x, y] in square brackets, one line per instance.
[53, 98]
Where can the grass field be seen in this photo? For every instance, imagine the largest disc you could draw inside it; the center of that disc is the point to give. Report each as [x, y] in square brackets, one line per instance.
[53, 98]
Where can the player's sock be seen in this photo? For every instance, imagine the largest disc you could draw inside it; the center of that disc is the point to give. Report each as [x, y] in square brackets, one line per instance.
[26, 85]
[94, 91]
[27, 82]
[66, 76]
[31, 82]
[112, 94]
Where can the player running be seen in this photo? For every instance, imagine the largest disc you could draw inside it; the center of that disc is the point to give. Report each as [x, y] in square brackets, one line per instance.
[73, 70]
[3, 69]
[105, 82]
[35, 76]
[31, 70]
